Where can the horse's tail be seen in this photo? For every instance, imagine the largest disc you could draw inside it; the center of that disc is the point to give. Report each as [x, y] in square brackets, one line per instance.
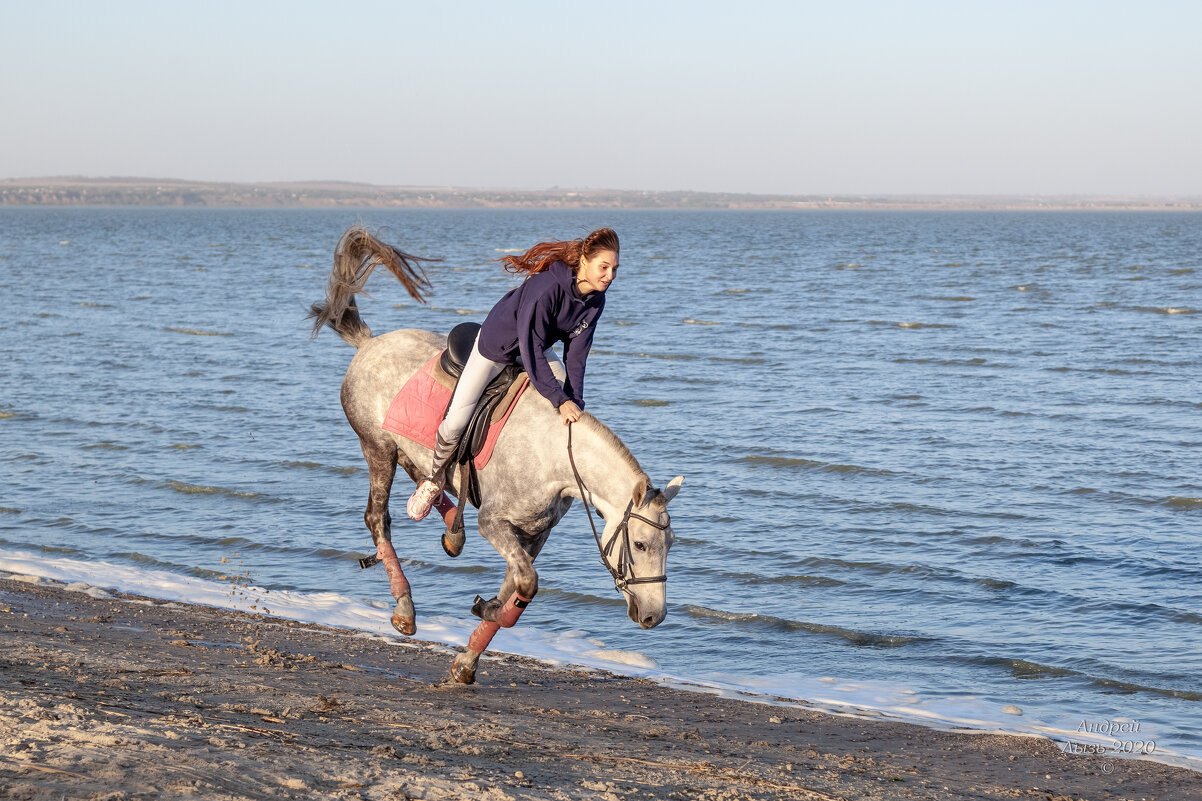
[357, 254]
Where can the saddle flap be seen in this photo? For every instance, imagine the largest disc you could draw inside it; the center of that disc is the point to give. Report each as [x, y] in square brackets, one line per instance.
[417, 410]
[493, 407]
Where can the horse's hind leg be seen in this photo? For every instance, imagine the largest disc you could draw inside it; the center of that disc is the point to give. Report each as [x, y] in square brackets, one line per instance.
[381, 464]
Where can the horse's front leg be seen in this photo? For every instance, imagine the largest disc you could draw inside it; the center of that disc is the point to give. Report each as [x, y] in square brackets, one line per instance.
[381, 464]
[518, 590]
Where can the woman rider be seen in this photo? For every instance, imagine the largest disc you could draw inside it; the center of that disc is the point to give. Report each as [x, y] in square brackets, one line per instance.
[560, 300]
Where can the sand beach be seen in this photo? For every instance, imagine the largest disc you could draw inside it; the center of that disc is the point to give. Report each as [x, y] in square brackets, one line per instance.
[111, 697]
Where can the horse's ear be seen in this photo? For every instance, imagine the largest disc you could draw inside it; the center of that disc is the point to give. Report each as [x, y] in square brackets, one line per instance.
[672, 488]
[640, 491]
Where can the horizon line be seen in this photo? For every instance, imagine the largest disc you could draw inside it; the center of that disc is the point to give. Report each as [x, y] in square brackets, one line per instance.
[79, 190]
[333, 182]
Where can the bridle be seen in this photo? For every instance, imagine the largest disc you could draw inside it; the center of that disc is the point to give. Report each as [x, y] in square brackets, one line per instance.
[624, 574]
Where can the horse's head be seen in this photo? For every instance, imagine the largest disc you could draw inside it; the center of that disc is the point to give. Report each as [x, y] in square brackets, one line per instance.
[636, 551]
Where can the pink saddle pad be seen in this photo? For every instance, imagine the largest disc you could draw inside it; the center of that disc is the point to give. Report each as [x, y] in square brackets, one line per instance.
[416, 411]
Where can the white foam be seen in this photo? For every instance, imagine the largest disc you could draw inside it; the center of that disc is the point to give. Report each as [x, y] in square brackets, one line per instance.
[88, 589]
[628, 658]
[324, 608]
[574, 648]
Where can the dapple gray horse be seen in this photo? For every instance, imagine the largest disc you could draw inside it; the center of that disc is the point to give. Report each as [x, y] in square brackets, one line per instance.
[526, 487]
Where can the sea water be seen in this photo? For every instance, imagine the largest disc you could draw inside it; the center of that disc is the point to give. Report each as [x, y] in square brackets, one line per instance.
[941, 466]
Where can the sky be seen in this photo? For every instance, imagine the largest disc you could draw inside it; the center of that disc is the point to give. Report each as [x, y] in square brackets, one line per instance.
[805, 98]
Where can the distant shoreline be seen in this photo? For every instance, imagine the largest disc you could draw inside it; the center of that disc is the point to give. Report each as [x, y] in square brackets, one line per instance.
[147, 192]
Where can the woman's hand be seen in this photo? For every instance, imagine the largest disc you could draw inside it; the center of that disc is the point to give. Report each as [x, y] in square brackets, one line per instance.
[569, 412]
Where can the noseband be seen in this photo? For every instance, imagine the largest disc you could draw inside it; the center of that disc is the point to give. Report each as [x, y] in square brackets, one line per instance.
[624, 574]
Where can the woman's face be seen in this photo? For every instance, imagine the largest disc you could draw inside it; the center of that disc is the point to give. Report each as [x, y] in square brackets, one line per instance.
[597, 272]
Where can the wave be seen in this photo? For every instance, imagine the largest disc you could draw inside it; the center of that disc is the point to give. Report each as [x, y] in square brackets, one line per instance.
[451, 310]
[346, 470]
[685, 357]
[683, 379]
[859, 506]
[976, 361]
[1155, 362]
[737, 360]
[787, 463]
[1180, 502]
[671, 356]
[42, 547]
[204, 489]
[853, 636]
[772, 326]
[1099, 371]
[196, 332]
[1028, 670]
[174, 567]
[910, 325]
[803, 580]
[881, 568]
[1165, 309]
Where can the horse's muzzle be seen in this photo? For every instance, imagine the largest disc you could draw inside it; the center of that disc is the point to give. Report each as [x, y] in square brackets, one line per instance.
[646, 621]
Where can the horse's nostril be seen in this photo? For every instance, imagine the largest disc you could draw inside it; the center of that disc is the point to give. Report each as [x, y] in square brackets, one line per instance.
[648, 622]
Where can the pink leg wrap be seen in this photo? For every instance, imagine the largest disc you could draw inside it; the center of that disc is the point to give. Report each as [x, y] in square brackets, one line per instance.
[512, 610]
[392, 566]
[446, 508]
[482, 636]
[506, 617]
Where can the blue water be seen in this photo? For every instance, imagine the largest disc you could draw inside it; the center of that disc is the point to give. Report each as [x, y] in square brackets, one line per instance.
[952, 453]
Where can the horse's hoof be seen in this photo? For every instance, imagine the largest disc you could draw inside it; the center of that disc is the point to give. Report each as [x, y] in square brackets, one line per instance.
[461, 672]
[452, 543]
[404, 619]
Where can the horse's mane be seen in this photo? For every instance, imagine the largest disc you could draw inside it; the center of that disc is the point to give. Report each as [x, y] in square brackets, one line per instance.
[609, 437]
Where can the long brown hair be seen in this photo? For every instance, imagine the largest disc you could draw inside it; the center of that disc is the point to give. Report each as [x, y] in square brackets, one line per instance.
[544, 254]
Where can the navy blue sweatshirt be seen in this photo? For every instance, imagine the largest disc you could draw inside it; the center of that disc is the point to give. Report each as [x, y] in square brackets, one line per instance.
[546, 308]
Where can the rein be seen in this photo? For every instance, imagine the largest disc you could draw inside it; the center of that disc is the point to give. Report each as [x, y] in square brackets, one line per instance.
[624, 574]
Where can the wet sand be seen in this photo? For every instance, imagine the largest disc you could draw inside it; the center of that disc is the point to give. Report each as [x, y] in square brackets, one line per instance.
[121, 697]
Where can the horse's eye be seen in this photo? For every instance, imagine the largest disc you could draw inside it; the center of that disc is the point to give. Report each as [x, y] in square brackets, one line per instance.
[640, 546]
